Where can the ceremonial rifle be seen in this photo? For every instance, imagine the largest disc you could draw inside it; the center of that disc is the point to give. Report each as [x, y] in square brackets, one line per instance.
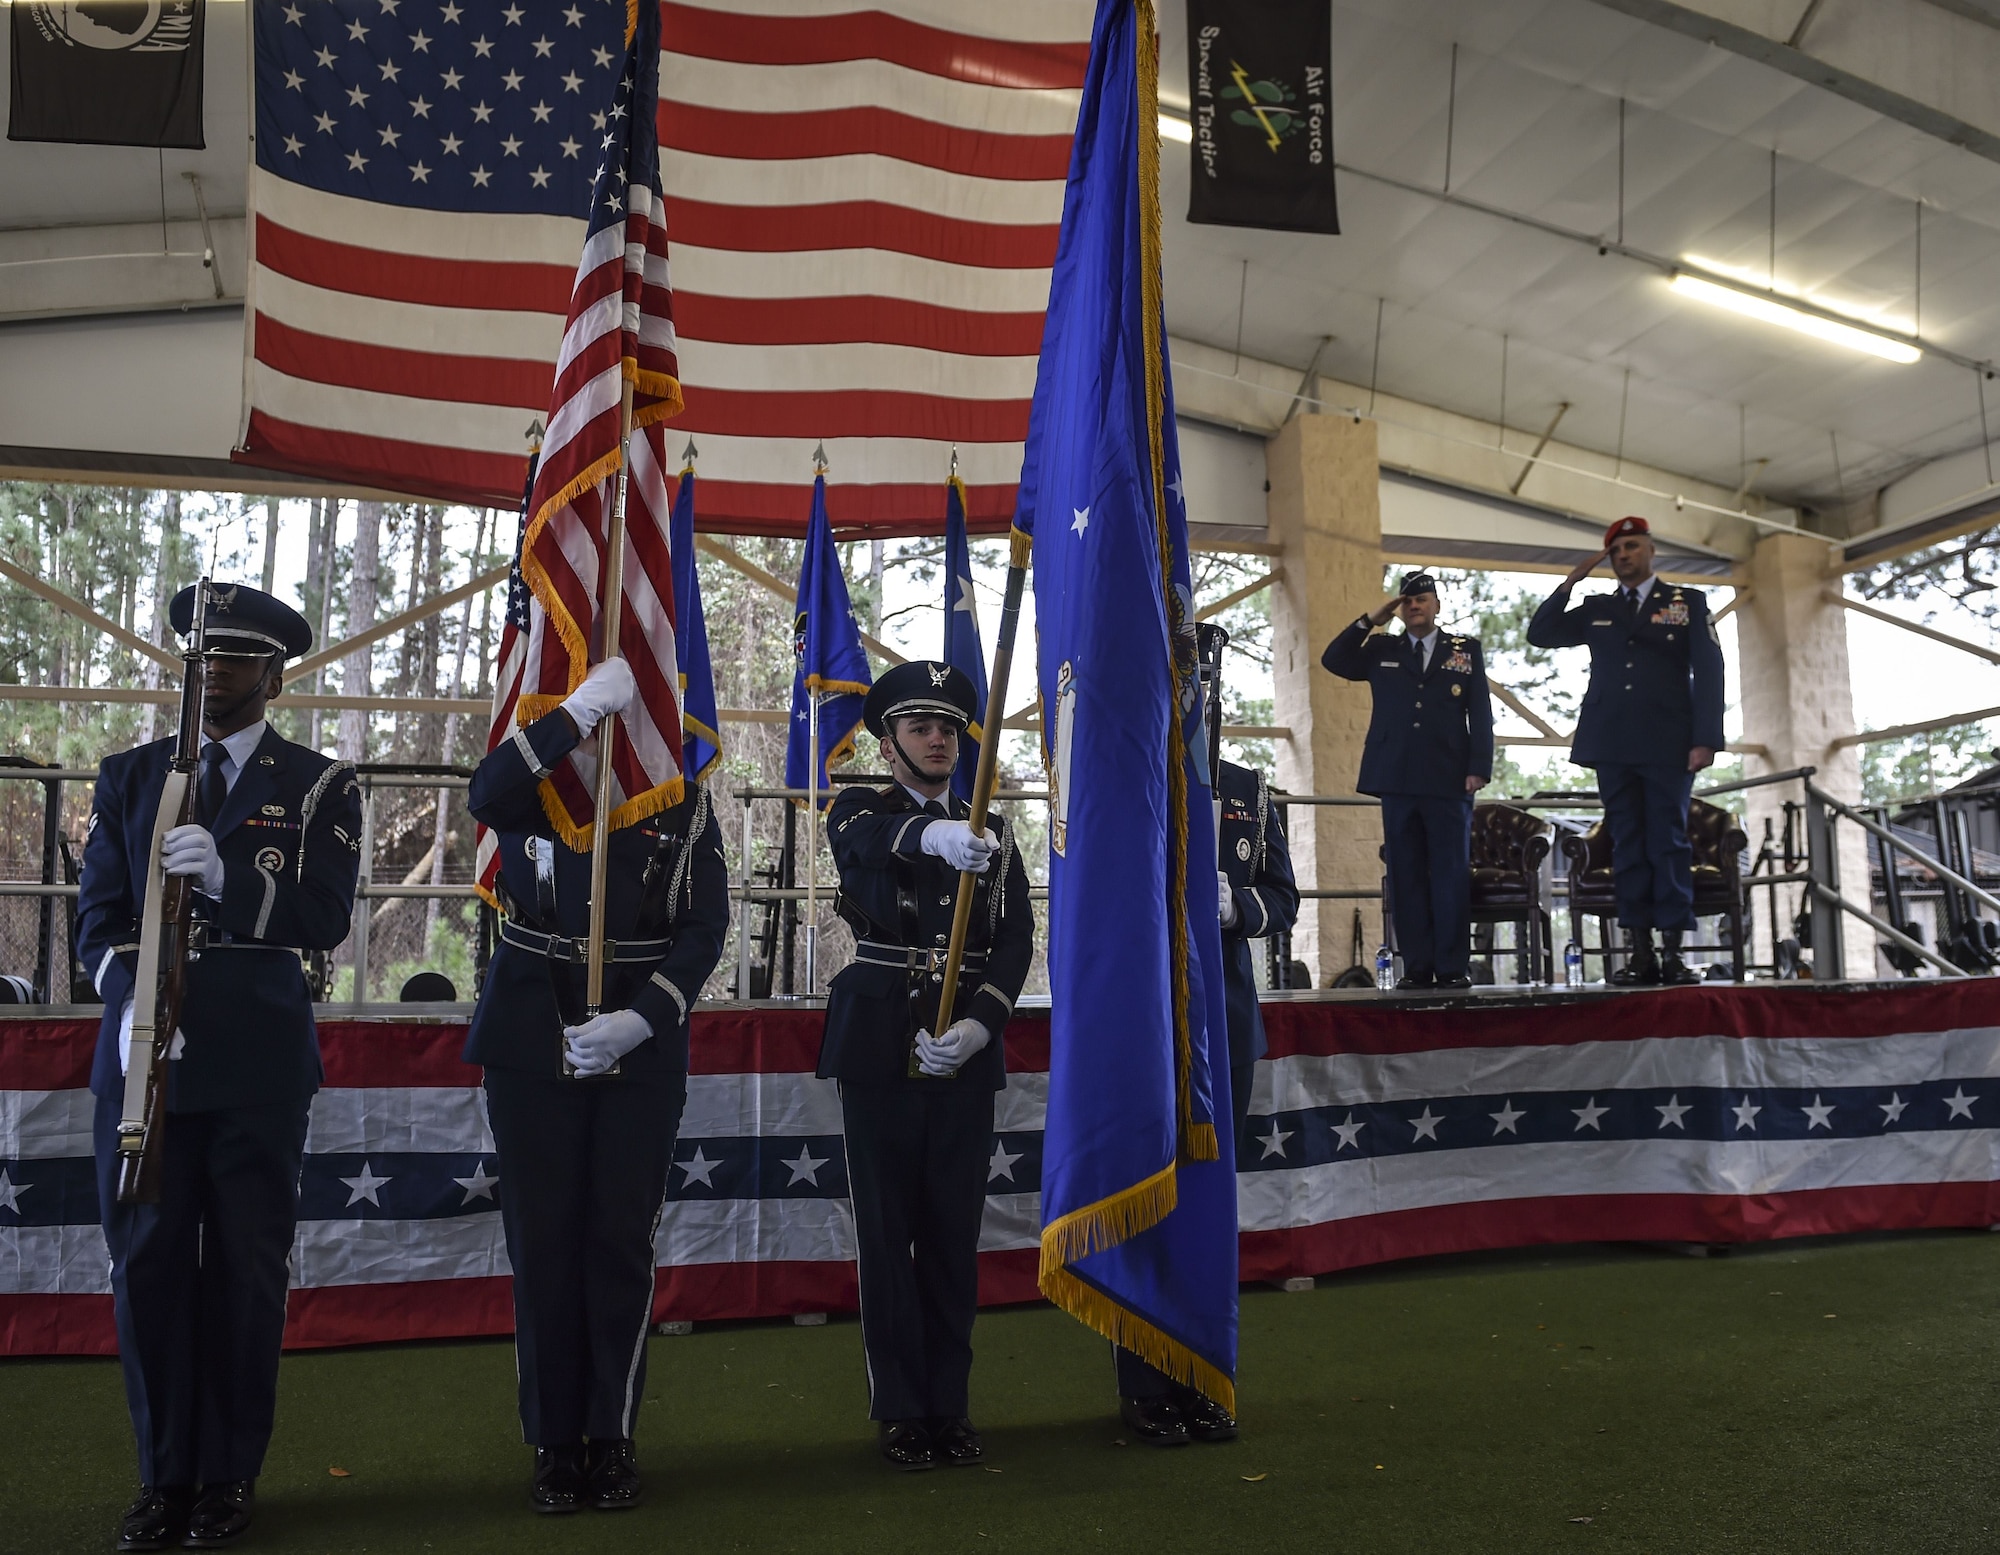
[985, 775]
[166, 923]
[1208, 652]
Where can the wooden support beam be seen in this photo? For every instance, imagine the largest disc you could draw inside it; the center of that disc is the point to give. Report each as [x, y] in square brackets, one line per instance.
[1507, 695]
[70, 605]
[1535, 458]
[1838, 597]
[734, 559]
[326, 701]
[1237, 596]
[395, 623]
[1737, 601]
[1904, 731]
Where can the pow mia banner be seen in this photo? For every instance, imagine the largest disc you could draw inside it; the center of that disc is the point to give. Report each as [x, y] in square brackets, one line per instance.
[107, 72]
[1259, 80]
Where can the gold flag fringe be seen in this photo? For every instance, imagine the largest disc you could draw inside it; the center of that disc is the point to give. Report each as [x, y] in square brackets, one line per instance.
[1109, 1221]
[1094, 1309]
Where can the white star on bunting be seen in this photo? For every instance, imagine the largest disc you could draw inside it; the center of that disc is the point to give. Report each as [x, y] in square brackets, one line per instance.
[1892, 1109]
[1819, 1115]
[366, 1186]
[1426, 1125]
[1960, 1104]
[1274, 1142]
[1746, 1115]
[1672, 1113]
[1348, 1132]
[1002, 1164]
[1506, 1118]
[478, 1186]
[1587, 1116]
[805, 1168]
[11, 1191]
[699, 1169]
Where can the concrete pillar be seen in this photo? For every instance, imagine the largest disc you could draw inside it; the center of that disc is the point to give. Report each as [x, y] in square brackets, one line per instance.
[1797, 699]
[1325, 514]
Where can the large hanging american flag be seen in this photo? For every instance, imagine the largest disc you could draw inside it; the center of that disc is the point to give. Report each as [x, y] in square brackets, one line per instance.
[864, 203]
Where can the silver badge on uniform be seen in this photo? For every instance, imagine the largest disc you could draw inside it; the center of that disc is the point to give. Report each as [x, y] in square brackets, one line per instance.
[270, 860]
[1243, 849]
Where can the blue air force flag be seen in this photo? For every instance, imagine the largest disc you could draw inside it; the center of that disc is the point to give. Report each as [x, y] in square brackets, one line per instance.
[701, 744]
[962, 649]
[1138, 1186]
[832, 665]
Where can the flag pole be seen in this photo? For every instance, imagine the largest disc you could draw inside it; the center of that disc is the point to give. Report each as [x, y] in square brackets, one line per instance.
[611, 608]
[812, 843]
[987, 772]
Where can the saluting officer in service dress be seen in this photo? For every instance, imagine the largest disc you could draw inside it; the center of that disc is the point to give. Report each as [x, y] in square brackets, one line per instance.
[584, 1159]
[920, 1147]
[198, 1280]
[1257, 897]
[1651, 720]
[1429, 751]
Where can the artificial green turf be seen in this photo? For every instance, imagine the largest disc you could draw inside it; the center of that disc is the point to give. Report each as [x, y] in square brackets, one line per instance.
[1819, 1397]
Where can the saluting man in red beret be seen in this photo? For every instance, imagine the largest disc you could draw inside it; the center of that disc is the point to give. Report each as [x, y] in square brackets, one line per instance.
[1651, 720]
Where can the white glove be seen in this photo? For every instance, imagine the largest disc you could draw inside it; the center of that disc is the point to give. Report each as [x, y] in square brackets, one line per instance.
[1225, 894]
[600, 1042]
[942, 1055]
[125, 1040]
[954, 842]
[190, 850]
[608, 688]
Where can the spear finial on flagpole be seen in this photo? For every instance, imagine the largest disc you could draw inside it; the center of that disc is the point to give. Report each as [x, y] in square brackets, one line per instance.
[689, 454]
[820, 466]
[954, 461]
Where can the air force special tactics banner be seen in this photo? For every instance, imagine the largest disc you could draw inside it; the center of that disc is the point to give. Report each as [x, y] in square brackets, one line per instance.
[1261, 96]
[1375, 1133]
[107, 72]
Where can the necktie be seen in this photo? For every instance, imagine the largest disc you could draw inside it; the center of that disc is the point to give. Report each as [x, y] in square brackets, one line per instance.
[935, 808]
[1631, 602]
[213, 789]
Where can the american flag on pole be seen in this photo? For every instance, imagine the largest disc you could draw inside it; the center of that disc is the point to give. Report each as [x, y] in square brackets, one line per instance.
[620, 332]
[865, 205]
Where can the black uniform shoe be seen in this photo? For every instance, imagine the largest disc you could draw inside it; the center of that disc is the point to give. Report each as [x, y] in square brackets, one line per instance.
[612, 1471]
[907, 1445]
[1674, 972]
[221, 1513]
[1158, 1422]
[1208, 1421]
[1463, 980]
[1642, 967]
[956, 1443]
[156, 1518]
[559, 1482]
[1417, 980]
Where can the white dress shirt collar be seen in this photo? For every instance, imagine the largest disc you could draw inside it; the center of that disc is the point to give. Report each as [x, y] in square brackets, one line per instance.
[241, 746]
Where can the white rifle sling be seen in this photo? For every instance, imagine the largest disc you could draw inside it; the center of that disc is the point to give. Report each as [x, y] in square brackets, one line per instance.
[146, 987]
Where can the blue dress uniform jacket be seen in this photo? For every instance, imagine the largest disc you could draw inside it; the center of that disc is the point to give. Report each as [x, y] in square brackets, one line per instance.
[1430, 729]
[1655, 678]
[198, 1280]
[893, 892]
[1259, 865]
[584, 1163]
[290, 840]
[919, 1149]
[666, 877]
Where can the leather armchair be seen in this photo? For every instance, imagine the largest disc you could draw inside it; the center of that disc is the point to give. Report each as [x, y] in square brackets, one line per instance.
[1718, 840]
[1509, 848]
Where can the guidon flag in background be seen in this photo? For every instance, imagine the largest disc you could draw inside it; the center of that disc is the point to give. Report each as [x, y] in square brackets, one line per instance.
[864, 206]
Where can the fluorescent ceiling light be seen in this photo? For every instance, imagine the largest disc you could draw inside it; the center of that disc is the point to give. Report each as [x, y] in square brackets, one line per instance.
[1758, 304]
[1172, 128]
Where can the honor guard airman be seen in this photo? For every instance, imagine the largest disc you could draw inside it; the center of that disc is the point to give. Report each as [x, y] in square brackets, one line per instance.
[917, 1089]
[1428, 753]
[585, 1112]
[1651, 720]
[1256, 896]
[198, 1279]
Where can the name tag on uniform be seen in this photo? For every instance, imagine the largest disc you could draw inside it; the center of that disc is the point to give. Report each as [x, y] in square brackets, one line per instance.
[1673, 614]
[1600, 623]
[1389, 664]
[1460, 663]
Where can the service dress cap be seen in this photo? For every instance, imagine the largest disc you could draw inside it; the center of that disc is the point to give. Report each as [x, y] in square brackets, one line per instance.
[1417, 583]
[244, 622]
[1632, 524]
[920, 686]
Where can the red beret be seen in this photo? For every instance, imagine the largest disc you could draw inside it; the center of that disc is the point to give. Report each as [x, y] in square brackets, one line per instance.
[1633, 525]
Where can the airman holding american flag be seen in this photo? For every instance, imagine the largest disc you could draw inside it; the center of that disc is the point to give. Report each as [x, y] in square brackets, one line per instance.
[582, 1022]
